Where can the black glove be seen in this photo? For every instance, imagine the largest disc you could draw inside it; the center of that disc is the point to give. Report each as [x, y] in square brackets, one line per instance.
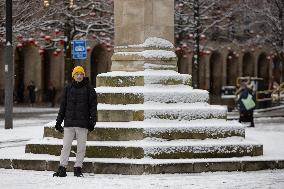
[59, 128]
[91, 126]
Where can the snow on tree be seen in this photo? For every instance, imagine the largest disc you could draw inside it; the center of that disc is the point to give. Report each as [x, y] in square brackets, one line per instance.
[53, 21]
[268, 17]
[244, 23]
[200, 21]
[220, 20]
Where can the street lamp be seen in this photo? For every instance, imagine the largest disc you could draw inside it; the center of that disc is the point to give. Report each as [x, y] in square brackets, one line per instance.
[196, 45]
[9, 68]
[69, 63]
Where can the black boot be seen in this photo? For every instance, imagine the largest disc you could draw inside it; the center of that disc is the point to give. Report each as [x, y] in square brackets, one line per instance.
[78, 172]
[61, 172]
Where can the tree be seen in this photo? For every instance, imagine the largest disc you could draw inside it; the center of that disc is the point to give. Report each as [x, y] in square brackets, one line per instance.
[217, 20]
[268, 15]
[53, 24]
[92, 20]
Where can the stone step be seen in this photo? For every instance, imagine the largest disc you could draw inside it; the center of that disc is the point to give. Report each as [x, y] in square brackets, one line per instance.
[178, 149]
[126, 166]
[139, 95]
[140, 78]
[116, 131]
[140, 112]
[159, 65]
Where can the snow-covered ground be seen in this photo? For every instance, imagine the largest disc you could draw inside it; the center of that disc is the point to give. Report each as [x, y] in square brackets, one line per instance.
[267, 132]
[18, 179]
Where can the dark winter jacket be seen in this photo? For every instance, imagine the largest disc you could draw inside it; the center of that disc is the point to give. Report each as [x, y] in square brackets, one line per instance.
[243, 95]
[79, 105]
[32, 95]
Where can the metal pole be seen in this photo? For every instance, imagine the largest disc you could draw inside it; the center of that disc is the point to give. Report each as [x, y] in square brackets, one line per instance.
[68, 51]
[282, 43]
[9, 68]
[196, 48]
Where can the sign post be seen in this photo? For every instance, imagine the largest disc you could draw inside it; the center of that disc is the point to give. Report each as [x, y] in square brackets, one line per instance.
[79, 50]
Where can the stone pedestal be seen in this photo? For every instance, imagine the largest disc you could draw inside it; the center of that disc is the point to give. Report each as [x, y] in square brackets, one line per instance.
[137, 22]
[149, 117]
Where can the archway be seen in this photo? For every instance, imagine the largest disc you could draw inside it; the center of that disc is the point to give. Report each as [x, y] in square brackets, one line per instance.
[19, 72]
[216, 72]
[45, 72]
[202, 72]
[276, 69]
[183, 61]
[232, 69]
[100, 62]
[263, 70]
[248, 65]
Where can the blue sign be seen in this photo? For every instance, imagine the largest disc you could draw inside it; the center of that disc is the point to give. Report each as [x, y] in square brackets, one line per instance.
[79, 50]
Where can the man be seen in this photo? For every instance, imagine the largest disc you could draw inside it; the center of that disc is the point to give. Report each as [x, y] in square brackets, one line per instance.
[78, 110]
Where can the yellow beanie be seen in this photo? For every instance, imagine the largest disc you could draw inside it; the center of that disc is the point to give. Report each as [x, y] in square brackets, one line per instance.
[78, 69]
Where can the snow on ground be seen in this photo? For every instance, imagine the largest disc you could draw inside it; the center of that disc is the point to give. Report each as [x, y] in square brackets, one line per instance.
[18, 179]
[271, 135]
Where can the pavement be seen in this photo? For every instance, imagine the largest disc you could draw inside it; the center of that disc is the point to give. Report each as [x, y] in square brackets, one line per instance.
[271, 114]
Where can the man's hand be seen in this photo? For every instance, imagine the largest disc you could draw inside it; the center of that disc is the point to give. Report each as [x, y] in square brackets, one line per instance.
[91, 126]
[59, 128]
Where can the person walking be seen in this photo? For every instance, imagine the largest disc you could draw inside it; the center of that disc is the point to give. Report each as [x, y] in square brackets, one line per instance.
[20, 92]
[32, 92]
[78, 109]
[51, 93]
[246, 104]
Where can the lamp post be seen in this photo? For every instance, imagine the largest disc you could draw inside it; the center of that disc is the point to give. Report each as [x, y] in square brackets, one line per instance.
[69, 32]
[9, 68]
[196, 45]
[67, 45]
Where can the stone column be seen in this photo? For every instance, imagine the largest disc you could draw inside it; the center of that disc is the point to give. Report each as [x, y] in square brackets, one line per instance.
[138, 20]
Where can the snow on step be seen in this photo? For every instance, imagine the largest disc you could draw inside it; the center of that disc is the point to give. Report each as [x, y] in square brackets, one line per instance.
[164, 124]
[150, 76]
[161, 106]
[178, 111]
[136, 130]
[169, 124]
[157, 93]
[152, 146]
[149, 143]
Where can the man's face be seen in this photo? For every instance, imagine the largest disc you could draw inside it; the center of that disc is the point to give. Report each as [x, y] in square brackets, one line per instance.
[79, 76]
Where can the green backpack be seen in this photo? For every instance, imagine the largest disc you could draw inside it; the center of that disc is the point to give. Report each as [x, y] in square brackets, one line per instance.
[248, 102]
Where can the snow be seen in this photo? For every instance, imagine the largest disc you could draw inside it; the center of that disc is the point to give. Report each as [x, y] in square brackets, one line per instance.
[19, 179]
[150, 142]
[163, 94]
[149, 54]
[262, 133]
[179, 111]
[155, 42]
[159, 66]
[29, 110]
[266, 132]
[158, 54]
[152, 42]
[143, 73]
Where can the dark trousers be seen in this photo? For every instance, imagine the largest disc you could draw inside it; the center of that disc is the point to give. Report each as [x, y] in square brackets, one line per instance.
[247, 116]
